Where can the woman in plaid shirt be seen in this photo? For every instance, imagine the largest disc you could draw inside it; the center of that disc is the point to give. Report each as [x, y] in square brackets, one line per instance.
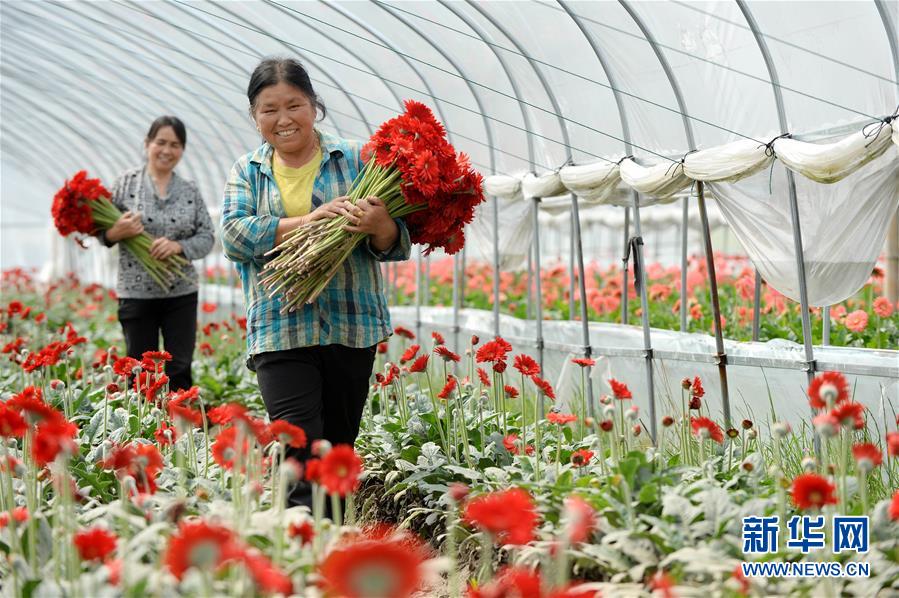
[313, 364]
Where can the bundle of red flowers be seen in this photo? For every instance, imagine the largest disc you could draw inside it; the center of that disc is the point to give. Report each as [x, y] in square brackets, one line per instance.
[418, 175]
[82, 206]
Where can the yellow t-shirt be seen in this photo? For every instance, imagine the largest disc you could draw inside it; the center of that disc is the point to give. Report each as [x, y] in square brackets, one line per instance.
[295, 184]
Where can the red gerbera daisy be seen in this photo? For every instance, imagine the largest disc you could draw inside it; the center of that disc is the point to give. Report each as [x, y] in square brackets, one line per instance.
[867, 455]
[446, 354]
[508, 515]
[410, 353]
[894, 506]
[493, 351]
[544, 386]
[696, 389]
[225, 450]
[620, 389]
[561, 418]
[484, 377]
[201, 545]
[30, 404]
[812, 491]
[305, 531]
[893, 444]
[420, 364]
[53, 436]
[95, 544]
[511, 391]
[704, 428]
[584, 362]
[850, 413]
[12, 425]
[267, 577]
[287, 433]
[580, 519]
[448, 388]
[526, 365]
[511, 581]
[404, 332]
[340, 469]
[581, 458]
[377, 565]
[438, 338]
[828, 386]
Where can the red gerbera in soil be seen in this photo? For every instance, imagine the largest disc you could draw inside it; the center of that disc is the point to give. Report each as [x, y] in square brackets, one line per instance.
[202, 545]
[544, 386]
[142, 462]
[826, 386]
[124, 366]
[420, 364]
[165, 434]
[581, 458]
[225, 450]
[493, 351]
[561, 418]
[704, 428]
[620, 389]
[305, 531]
[377, 565]
[812, 491]
[867, 455]
[410, 353]
[526, 365]
[508, 515]
[404, 332]
[31, 405]
[446, 354]
[511, 581]
[340, 469]
[12, 425]
[287, 433]
[580, 519]
[893, 444]
[95, 544]
[850, 413]
[53, 436]
[448, 388]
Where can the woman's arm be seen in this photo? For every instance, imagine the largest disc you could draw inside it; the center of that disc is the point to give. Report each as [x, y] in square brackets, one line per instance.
[246, 236]
[129, 225]
[200, 243]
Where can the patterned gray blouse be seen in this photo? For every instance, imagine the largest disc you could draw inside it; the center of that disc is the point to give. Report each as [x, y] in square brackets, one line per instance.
[181, 216]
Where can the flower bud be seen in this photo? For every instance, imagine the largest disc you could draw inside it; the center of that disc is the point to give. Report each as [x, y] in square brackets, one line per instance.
[632, 413]
[747, 424]
[747, 466]
[732, 433]
[458, 492]
[292, 471]
[606, 425]
[474, 339]
[321, 447]
[637, 430]
[686, 383]
[752, 434]
[695, 403]
[608, 411]
[809, 464]
[780, 429]
[667, 421]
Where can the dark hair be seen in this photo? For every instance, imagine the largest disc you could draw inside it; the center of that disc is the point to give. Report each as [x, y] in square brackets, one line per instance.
[168, 121]
[272, 71]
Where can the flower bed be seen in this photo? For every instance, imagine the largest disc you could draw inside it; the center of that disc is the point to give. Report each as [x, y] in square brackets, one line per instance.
[116, 486]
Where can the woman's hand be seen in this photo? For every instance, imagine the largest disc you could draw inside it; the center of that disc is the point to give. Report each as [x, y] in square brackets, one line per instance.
[163, 248]
[370, 216]
[129, 225]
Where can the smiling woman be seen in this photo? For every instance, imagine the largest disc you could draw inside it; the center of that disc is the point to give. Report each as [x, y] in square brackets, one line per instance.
[156, 200]
[313, 364]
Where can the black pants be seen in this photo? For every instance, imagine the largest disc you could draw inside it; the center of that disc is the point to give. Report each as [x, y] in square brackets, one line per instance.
[320, 389]
[176, 317]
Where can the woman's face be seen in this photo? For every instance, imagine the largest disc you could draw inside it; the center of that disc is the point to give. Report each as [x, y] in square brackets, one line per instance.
[286, 118]
[164, 151]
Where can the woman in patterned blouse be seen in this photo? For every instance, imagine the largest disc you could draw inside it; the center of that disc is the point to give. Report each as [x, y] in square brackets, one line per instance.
[313, 364]
[156, 200]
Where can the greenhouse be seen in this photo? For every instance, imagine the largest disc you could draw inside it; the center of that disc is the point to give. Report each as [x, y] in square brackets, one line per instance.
[449, 298]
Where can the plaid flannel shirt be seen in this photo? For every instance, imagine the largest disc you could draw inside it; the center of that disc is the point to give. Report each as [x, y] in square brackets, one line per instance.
[352, 309]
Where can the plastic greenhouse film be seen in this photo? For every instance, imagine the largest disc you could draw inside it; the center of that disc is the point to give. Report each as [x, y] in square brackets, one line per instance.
[500, 185]
[730, 162]
[545, 185]
[832, 162]
[661, 180]
[594, 182]
[843, 227]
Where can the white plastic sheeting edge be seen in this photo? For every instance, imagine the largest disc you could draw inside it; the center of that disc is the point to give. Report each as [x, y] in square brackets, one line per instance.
[730, 162]
[832, 162]
[660, 180]
[595, 182]
[500, 185]
[544, 185]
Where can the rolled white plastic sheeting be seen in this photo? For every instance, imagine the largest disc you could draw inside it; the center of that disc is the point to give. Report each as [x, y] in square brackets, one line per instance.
[895, 127]
[843, 227]
[544, 185]
[661, 180]
[595, 182]
[500, 185]
[730, 162]
[832, 162]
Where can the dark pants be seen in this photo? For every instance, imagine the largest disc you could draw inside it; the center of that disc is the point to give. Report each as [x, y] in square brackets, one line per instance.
[320, 389]
[176, 317]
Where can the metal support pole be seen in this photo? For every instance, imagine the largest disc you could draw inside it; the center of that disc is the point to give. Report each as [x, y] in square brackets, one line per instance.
[427, 299]
[418, 293]
[571, 273]
[644, 316]
[757, 306]
[496, 266]
[683, 265]
[538, 291]
[627, 238]
[457, 281]
[825, 336]
[720, 355]
[582, 283]
[530, 281]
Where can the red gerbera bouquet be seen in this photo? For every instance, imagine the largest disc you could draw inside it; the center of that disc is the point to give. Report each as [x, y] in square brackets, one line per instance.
[82, 206]
[418, 175]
